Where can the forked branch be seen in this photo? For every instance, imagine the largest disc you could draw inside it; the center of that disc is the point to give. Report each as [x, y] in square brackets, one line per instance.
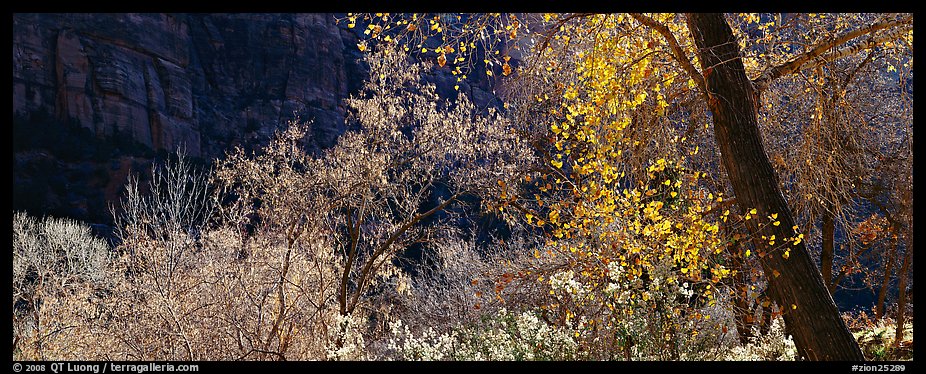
[816, 55]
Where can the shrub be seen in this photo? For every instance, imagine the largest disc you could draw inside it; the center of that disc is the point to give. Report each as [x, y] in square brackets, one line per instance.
[199, 287]
[773, 346]
[60, 272]
[504, 336]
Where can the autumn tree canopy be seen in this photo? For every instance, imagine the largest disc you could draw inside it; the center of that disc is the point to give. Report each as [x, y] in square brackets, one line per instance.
[619, 92]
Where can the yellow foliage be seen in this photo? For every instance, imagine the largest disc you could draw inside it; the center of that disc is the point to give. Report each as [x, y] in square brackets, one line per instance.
[623, 222]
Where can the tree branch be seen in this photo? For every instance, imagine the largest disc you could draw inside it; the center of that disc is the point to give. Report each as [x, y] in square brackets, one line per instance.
[677, 50]
[365, 272]
[844, 270]
[815, 55]
[559, 23]
[351, 254]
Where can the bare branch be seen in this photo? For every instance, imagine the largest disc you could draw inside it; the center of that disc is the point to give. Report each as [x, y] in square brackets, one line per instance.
[366, 272]
[815, 56]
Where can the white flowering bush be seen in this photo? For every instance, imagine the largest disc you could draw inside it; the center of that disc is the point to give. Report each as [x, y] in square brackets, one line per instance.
[523, 336]
[773, 346]
[659, 316]
[503, 336]
[345, 340]
[426, 346]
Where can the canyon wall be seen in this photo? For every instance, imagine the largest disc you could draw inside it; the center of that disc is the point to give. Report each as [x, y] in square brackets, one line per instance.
[96, 97]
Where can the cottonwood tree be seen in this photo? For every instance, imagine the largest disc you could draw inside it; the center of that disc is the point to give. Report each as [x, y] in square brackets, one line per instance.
[843, 153]
[703, 51]
[278, 255]
[828, 148]
[387, 185]
[732, 97]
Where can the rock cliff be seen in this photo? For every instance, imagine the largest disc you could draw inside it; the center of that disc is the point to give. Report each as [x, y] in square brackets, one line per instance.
[203, 82]
[98, 96]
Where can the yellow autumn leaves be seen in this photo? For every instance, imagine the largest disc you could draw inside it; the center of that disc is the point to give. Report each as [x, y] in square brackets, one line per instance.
[663, 215]
[457, 38]
[638, 227]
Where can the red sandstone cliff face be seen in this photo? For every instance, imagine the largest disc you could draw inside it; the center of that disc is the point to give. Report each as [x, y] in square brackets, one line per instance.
[96, 96]
[204, 82]
[135, 84]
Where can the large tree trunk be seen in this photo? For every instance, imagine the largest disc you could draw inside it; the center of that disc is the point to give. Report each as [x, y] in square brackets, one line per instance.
[795, 283]
[828, 253]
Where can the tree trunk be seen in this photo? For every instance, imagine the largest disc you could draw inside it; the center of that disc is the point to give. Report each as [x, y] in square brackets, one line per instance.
[827, 254]
[886, 279]
[795, 283]
[742, 313]
[902, 298]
